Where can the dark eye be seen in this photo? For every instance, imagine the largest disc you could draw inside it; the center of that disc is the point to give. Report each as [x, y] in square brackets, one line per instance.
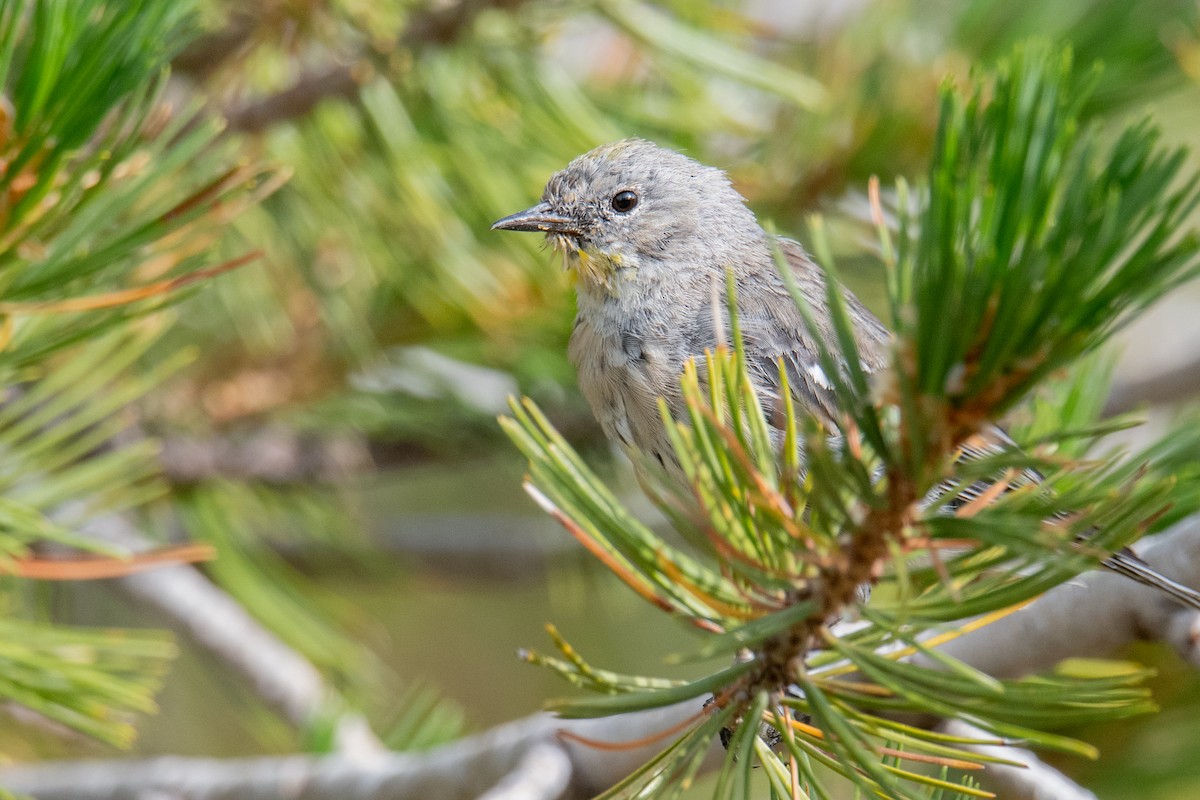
[624, 201]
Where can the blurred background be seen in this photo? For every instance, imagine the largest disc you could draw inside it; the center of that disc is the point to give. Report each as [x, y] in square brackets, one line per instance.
[333, 431]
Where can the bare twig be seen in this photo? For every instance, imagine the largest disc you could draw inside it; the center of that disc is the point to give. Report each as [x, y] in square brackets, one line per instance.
[543, 773]
[1037, 780]
[273, 454]
[1094, 616]
[217, 622]
[520, 760]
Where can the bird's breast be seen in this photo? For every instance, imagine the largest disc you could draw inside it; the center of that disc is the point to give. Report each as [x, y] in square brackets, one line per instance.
[625, 365]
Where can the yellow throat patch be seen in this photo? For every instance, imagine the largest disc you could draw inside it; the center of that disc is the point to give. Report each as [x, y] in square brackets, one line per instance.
[593, 270]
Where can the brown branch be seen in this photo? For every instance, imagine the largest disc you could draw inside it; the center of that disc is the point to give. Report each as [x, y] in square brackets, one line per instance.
[435, 26]
[336, 82]
[208, 52]
[273, 454]
[442, 25]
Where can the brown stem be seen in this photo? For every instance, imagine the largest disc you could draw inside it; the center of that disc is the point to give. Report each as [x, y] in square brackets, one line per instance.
[210, 51]
[437, 26]
[337, 82]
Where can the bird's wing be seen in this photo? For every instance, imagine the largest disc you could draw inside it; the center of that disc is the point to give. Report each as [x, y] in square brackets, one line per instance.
[774, 332]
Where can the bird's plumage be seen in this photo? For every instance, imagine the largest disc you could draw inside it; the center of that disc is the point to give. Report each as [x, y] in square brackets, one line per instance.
[650, 278]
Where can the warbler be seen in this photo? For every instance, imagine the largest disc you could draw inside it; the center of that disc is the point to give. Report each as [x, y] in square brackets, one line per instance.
[650, 234]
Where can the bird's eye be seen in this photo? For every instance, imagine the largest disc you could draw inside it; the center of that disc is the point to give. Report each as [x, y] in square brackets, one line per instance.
[624, 201]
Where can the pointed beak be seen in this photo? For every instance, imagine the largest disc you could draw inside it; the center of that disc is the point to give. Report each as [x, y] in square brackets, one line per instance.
[539, 218]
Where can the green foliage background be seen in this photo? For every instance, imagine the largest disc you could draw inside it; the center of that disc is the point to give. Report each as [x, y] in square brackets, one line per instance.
[437, 120]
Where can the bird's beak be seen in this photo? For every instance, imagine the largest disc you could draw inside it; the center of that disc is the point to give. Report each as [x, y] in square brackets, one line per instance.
[539, 218]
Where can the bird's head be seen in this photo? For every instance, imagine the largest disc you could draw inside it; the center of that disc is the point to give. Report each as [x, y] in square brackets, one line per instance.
[630, 206]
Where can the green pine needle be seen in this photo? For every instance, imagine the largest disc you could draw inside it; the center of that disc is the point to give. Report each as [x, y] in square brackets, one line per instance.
[1034, 244]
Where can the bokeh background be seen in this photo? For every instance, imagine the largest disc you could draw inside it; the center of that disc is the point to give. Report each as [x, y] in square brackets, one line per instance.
[333, 432]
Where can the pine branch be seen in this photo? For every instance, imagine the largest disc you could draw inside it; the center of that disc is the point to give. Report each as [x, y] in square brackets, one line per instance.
[1032, 248]
[107, 210]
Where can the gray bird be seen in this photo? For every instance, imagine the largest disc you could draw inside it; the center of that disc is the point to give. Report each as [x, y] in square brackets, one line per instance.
[650, 234]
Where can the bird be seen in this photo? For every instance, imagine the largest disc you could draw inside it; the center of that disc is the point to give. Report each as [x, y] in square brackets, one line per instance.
[649, 234]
